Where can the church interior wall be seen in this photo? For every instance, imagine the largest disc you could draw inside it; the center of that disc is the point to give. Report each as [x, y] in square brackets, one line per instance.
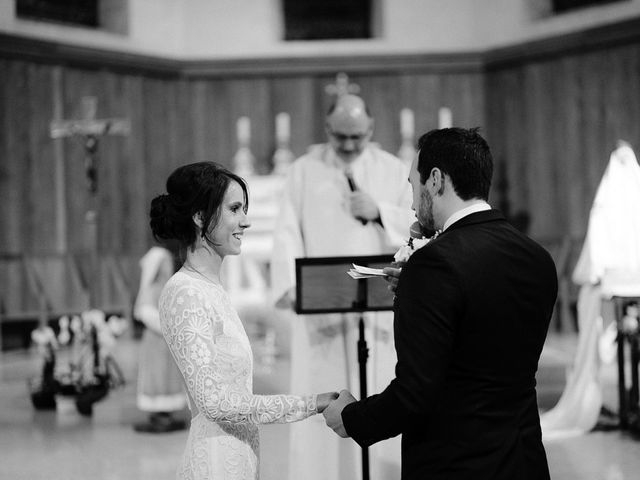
[217, 29]
[554, 123]
[551, 113]
[174, 120]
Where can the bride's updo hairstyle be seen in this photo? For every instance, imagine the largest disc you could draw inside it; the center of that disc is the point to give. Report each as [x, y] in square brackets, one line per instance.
[197, 187]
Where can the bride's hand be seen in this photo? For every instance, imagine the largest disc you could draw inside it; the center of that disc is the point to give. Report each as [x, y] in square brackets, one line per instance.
[324, 399]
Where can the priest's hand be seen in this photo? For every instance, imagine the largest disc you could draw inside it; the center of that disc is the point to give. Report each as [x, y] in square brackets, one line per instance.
[363, 207]
[333, 413]
[392, 275]
[324, 399]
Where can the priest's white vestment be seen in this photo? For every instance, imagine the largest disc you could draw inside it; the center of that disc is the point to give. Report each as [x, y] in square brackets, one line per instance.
[314, 221]
[611, 250]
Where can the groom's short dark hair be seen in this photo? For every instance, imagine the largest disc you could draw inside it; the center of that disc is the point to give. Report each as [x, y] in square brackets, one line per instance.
[460, 153]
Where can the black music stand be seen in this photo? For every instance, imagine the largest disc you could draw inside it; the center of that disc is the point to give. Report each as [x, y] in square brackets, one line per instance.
[323, 286]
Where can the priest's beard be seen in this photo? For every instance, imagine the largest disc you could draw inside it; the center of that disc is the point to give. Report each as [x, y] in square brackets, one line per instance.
[425, 210]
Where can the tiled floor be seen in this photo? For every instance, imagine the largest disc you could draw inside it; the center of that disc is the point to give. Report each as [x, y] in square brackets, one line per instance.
[63, 445]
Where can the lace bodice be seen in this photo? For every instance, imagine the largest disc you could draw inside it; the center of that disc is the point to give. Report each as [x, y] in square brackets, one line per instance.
[211, 348]
[213, 353]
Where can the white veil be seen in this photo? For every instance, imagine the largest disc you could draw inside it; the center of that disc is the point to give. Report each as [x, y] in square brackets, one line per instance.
[609, 263]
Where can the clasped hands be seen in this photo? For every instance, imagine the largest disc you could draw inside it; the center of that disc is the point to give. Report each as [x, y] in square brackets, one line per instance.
[331, 404]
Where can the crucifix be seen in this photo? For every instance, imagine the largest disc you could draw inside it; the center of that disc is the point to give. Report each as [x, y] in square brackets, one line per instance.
[342, 86]
[88, 130]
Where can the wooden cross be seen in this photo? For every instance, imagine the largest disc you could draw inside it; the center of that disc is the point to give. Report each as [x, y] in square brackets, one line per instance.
[89, 129]
[342, 86]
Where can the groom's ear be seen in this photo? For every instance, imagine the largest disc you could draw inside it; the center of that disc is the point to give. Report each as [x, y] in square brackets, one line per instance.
[442, 183]
[435, 179]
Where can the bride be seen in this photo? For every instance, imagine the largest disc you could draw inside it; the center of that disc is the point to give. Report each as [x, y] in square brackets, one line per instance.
[205, 209]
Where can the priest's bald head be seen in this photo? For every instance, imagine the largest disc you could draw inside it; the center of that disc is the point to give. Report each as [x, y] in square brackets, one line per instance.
[349, 126]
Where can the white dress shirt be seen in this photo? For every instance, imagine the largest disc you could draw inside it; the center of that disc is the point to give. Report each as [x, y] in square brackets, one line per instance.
[476, 207]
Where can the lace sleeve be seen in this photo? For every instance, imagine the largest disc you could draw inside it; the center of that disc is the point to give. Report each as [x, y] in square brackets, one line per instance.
[216, 367]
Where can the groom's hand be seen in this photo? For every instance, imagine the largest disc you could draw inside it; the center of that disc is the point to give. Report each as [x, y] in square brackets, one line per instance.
[333, 413]
[392, 275]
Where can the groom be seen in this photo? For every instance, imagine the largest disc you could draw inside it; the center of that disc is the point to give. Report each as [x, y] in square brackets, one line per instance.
[471, 315]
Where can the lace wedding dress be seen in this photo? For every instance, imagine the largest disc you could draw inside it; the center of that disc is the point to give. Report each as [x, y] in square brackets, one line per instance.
[213, 353]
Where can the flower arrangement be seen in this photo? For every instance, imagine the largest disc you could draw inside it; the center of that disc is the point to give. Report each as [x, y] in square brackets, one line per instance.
[413, 244]
[406, 250]
[79, 328]
[91, 370]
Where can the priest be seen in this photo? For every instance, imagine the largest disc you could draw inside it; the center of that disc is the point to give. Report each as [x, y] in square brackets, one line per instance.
[344, 197]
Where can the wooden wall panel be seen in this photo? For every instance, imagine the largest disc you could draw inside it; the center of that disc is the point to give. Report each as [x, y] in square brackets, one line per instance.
[156, 137]
[382, 94]
[425, 99]
[16, 133]
[6, 203]
[569, 148]
[464, 95]
[614, 95]
[631, 127]
[6, 166]
[14, 175]
[250, 98]
[536, 102]
[40, 208]
[198, 99]
[221, 125]
[321, 102]
[551, 121]
[295, 96]
[131, 183]
[505, 130]
[574, 108]
[180, 127]
[495, 110]
[596, 151]
[420, 94]
[114, 163]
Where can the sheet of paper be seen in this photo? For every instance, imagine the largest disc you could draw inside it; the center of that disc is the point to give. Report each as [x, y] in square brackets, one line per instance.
[368, 271]
[359, 271]
[353, 274]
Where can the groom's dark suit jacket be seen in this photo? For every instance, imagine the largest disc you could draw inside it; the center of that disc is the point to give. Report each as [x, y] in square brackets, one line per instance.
[471, 316]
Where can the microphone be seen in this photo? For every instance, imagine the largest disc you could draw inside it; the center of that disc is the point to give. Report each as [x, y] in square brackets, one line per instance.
[349, 175]
[353, 188]
[352, 184]
[415, 230]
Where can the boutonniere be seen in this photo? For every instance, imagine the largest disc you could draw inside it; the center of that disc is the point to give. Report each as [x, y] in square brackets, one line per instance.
[413, 244]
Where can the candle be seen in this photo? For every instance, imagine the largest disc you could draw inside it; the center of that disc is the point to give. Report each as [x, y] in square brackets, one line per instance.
[444, 118]
[283, 127]
[406, 123]
[89, 107]
[243, 130]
